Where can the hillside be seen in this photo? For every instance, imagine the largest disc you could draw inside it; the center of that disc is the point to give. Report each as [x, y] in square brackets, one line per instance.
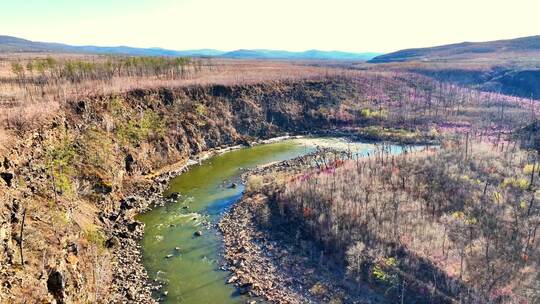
[463, 50]
[9, 44]
[86, 139]
[510, 67]
[89, 142]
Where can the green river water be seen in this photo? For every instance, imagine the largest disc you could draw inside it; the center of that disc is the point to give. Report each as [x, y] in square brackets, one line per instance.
[192, 275]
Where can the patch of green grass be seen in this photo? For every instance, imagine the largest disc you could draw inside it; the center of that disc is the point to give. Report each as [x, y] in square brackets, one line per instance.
[150, 124]
[116, 107]
[383, 276]
[97, 148]
[376, 114]
[528, 169]
[201, 109]
[61, 157]
[94, 236]
[520, 183]
[390, 133]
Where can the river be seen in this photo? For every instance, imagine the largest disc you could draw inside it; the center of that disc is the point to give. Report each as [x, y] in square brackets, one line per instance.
[189, 265]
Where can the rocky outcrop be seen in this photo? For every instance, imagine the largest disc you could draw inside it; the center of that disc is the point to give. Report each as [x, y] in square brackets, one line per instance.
[56, 285]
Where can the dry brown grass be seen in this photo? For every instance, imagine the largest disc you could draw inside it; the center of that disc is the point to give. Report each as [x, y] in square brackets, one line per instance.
[459, 219]
[6, 140]
[19, 100]
[25, 106]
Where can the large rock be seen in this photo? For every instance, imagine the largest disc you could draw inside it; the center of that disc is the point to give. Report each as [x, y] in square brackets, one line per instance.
[111, 242]
[129, 161]
[245, 288]
[7, 177]
[174, 195]
[56, 285]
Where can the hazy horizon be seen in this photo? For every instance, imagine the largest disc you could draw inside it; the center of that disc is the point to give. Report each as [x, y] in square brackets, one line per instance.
[342, 25]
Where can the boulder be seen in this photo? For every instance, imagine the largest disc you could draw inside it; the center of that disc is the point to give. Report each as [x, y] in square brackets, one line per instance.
[7, 177]
[174, 195]
[72, 248]
[111, 242]
[56, 285]
[133, 226]
[125, 205]
[245, 288]
[128, 162]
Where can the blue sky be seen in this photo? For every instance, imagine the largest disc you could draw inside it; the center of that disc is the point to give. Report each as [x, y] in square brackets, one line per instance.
[349, 25]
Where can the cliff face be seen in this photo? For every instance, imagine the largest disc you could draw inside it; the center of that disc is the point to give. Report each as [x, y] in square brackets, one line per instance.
[64, 186]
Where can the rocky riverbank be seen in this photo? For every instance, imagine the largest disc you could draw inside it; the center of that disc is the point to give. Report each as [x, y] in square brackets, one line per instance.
[131, 281]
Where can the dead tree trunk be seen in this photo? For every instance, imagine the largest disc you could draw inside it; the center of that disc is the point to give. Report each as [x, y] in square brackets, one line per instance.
[21, 238]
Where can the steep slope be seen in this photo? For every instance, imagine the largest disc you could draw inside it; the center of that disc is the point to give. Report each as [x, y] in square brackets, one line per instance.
[71, 186]
[515, 81]
[510, 67]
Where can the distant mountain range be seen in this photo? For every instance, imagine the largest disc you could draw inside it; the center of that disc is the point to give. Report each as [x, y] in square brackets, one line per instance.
[463, 50]
[311, 54]
[14, 44]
